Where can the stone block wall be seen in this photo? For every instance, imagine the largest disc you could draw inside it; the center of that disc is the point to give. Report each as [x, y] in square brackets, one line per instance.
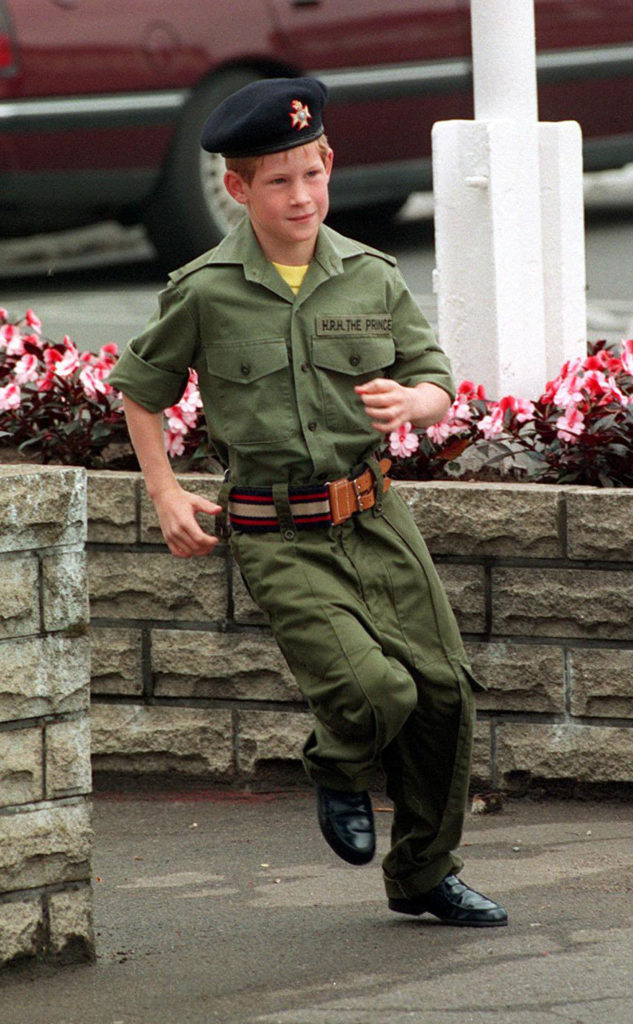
[187, 680]
[45, 774]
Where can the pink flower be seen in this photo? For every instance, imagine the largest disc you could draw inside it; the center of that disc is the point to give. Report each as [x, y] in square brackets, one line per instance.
[403, 442]
[27, 369]
[439, 432]
[468, 391]
[109, 353]
[571, 425]
[10, 397]
[603, 388]
[627, 357]
[174, 443]
[10, 335]
[68, 363]
[491, 426]
[521, 408]
[569, 392]
[33, 321]
[93, 382]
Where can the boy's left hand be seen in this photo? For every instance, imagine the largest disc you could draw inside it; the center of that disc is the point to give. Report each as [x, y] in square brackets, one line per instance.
[389, 404]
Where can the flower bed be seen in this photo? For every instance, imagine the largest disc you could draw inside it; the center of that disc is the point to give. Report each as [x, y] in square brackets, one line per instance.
[56, 406]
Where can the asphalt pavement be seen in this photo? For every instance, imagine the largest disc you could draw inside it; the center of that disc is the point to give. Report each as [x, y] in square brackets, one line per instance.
[225, 908]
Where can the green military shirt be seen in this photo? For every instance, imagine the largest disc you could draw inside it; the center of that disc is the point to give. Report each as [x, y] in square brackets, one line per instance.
[276, 371]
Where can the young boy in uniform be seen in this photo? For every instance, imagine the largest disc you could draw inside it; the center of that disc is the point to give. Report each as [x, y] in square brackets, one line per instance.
[309, 349]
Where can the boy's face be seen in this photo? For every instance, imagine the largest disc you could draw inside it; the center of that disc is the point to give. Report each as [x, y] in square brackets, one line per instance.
[287, 201]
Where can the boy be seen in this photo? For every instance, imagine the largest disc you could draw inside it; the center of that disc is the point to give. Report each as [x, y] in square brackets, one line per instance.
[309, 349]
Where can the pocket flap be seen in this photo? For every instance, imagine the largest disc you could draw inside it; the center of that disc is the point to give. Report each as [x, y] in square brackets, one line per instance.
[245, 362]
[353, 355]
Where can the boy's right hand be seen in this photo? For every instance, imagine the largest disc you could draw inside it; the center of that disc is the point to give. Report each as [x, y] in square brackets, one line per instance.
[176, 510]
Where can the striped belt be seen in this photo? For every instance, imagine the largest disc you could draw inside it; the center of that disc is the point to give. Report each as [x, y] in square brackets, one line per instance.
[253, 510]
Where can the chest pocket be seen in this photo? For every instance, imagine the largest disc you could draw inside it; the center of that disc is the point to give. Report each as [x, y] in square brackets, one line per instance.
[345, 362]
[251, 396]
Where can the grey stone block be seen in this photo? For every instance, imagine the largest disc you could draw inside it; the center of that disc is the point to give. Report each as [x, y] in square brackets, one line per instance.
[270, 736]
[43, 676]
[563, 602]
[599, 523]
[116, 661]
[68, 757]
[71, 924]
[112, 504]
[22, 930]
[481, 771]
[41, 506]
[238, 666]
[45, 846]
[519, 677]
[147, 740]
[153, 585]
[465, 588]
[601, 682]
[486, 519]
[21, 766]
[584, 753]
[65, 591]
[19, 596]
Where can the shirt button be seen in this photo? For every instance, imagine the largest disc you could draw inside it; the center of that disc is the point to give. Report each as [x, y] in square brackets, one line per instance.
[354, 360]
[312, 425]
[245, 368]
[304, 367]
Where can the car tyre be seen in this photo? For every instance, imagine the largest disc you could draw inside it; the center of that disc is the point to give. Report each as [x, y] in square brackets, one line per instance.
[190, 210]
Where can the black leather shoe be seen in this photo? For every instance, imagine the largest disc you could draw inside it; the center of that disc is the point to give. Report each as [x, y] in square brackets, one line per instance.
[347, 823]
[454, 903]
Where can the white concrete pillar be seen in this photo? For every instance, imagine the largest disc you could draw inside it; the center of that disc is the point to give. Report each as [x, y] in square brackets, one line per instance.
[504, 59]
[488, 249]
[563, 229]
[508, 219]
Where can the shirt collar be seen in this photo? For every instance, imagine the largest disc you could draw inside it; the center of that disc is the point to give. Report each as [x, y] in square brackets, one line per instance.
[241, 247]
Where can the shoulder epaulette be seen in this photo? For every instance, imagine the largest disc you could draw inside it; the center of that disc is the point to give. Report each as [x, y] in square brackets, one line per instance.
[190, 268]
[370, 251]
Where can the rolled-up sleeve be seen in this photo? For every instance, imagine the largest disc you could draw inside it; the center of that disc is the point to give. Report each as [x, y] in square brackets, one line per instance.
[153, 369]
[419, 357]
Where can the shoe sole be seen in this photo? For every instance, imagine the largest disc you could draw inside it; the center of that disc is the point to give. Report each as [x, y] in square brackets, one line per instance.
[448, 920]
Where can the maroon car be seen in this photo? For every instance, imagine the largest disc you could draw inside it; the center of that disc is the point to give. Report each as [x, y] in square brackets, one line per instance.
[101, 101]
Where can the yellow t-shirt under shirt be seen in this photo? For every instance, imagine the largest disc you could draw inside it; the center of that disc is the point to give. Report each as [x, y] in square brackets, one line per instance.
[293, 276]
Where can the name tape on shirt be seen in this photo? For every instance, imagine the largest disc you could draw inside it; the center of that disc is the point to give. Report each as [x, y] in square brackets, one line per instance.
[362, 324]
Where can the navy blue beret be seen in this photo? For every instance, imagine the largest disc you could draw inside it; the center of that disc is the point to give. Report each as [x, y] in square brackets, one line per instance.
[266, 116]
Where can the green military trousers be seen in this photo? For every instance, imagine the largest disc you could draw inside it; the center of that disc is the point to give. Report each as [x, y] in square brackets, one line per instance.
[364, 624]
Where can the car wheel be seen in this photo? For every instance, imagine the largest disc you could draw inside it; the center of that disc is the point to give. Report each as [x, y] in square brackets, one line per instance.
[190, 211]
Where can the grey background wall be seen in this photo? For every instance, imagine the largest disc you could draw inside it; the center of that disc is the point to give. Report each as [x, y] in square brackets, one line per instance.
[187, 680]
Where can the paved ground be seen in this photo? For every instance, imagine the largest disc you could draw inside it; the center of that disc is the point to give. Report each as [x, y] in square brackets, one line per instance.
[218, 908]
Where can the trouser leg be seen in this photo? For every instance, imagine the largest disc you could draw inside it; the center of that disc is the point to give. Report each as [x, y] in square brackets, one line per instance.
[427, 768]
[365, 626]
[360, 697]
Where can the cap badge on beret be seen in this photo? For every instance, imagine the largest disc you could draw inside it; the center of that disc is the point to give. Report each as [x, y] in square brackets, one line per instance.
[268, 115]
[300, 115]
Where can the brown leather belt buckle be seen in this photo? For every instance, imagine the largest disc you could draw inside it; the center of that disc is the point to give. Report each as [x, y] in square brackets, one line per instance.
[348, 497]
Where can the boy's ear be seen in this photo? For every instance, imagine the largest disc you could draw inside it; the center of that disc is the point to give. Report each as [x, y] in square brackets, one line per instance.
[328, 163]
[235, 186]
